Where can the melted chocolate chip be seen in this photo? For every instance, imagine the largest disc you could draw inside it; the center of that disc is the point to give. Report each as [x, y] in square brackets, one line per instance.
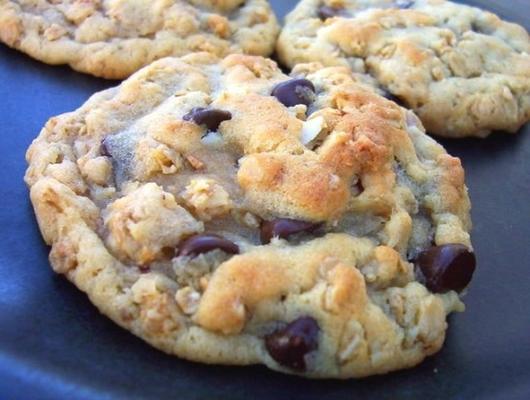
[326, 12]
[211, 117]
[295, 91]
[199, 244]
[283, 228]
[447, 267]
[290, 345]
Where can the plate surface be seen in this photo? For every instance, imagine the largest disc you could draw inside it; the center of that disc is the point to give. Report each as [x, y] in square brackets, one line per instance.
[54, 344]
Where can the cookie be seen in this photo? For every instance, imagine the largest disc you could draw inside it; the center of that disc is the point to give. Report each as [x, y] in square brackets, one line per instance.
[464, 71]
[114, 38]
[228, 213]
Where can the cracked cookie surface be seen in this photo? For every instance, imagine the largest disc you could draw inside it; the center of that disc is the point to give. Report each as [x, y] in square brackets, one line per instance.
[200, 212]
[464, 71]
[114, 38]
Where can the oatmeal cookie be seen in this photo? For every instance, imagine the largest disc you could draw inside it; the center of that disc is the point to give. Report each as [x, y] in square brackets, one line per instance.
[114, 38]
[228, 213]
[464, 71]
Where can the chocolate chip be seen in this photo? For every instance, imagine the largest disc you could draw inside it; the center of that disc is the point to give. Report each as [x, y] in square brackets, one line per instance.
[357, 188]
[403, 4]
[211, 117]
[104, 148]
[391, 97]
[326, 12]
[283, 228]
[144, 269]
[199, 244]
[290, 345]
[295, 91]
[447, 267]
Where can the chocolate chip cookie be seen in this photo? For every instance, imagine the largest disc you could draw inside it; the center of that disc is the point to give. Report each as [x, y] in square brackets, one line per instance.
[464, 71]
[228, 213]
[114, 38]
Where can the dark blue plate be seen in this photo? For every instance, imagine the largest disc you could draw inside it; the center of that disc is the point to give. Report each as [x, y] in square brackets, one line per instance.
[54, 344]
